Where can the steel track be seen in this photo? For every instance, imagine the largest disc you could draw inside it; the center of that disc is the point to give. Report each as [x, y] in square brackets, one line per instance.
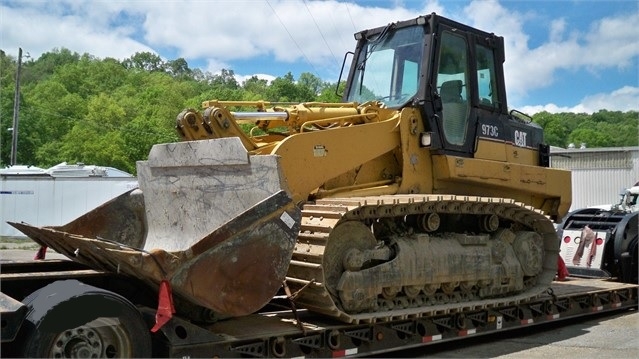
[306, 272]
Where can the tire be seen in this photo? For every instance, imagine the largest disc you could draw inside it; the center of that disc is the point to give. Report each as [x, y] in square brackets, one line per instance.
[69, 319]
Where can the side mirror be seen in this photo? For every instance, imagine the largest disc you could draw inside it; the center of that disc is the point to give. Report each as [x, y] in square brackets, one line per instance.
[339, 80]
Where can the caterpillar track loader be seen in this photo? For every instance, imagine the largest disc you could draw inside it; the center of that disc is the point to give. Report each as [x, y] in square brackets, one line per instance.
[420, 192]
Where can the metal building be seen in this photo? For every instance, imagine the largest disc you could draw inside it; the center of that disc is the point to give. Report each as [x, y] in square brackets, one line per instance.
[598, 174]
[57, 195]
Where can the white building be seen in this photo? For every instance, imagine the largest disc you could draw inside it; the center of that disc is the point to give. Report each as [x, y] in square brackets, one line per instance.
[57, 195]
[598, 174]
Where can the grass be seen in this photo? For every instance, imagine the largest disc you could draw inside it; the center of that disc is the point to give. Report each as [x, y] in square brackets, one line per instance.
[9, 239]
[7, 242]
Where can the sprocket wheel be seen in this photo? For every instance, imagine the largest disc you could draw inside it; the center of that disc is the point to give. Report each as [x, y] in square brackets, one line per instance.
[345, 238]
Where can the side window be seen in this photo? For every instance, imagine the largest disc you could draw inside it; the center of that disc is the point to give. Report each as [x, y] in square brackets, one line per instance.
[408, 59]
[486, 81]
[452, 84]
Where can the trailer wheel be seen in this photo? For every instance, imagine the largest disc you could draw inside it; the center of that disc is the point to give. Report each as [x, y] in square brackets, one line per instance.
[69, 319]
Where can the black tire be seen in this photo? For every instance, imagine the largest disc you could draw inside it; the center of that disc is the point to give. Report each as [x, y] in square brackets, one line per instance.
[70, 319]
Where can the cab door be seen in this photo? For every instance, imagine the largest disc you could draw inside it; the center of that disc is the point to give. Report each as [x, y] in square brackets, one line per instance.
[452, 79]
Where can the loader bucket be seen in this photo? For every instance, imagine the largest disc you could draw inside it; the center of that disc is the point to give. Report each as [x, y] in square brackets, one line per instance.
[216, 223]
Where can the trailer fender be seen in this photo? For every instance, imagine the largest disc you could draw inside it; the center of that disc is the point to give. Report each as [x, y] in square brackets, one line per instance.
[12, 313]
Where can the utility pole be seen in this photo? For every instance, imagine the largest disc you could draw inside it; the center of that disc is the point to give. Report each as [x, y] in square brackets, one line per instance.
[16, 110]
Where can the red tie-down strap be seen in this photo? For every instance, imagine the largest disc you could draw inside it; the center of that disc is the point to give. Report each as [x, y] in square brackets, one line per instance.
[166, 309]
[41, 253]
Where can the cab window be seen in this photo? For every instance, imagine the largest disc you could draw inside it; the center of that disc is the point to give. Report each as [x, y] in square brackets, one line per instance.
[452, 84]
[388, 68]
[486, 79]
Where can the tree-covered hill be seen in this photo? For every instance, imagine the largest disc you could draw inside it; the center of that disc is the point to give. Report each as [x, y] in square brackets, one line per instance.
[78, 108]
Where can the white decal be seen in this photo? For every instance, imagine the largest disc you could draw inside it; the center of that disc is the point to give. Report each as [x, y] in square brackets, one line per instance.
[287, 219]
[490, 130]
[319, 151]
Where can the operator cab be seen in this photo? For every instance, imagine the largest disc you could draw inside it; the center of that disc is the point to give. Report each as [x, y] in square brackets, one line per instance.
[454, 74]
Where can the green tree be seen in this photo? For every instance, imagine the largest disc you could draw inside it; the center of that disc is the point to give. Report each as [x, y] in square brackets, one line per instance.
[179, 68]
[590, 137]
[311, 83]
[96, 138]
[225, 79]
[284, 89]
[46, 65]
[145, 61]
[601, 129]
[555, 130]
[53, 111]
[255, 89]
[8, 67]
[331, 92]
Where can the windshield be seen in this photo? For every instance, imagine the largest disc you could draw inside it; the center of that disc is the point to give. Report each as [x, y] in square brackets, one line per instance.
[388, 67]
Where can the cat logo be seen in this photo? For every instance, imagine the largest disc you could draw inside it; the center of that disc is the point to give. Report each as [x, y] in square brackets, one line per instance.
[520, 138]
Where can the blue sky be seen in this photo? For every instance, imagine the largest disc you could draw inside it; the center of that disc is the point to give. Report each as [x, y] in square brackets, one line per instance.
[561, 55]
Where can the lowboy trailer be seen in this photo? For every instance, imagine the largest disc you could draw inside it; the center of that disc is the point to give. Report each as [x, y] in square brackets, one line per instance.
[280, 331]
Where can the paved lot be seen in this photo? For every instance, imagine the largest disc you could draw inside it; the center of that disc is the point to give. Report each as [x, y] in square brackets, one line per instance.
[603, 336]
[12, 249]
[25, 255]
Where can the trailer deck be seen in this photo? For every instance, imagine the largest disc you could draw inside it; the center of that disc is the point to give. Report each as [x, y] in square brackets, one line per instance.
[280, 334]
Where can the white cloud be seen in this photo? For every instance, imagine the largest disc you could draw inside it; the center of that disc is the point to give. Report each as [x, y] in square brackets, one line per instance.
[319, 33]
[240, 79]
[557, 28]
[610, 43]
[623, 99]
[214, 66]
[313, 33]
[39, 29]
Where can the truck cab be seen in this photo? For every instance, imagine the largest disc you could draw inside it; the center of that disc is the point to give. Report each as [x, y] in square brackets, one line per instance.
[628, 201]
